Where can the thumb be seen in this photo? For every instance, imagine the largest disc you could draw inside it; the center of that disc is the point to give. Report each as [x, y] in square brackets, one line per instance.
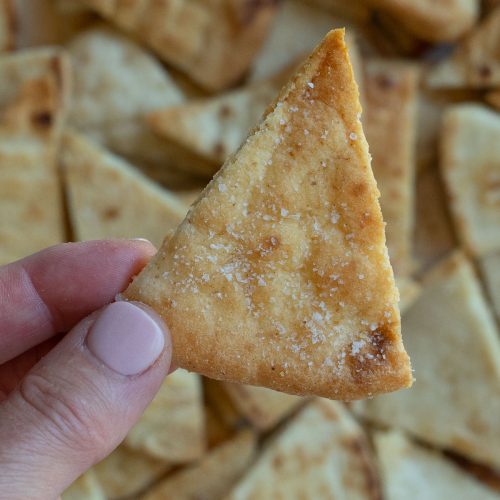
[78, 403]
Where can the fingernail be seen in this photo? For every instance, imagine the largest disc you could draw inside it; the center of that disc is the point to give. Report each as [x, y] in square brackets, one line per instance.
[144, 240]
[126, 338]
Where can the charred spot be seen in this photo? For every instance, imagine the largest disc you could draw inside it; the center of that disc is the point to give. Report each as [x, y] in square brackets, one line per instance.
[42, 119]
[484, 71]
[111, 213]
[225, 111]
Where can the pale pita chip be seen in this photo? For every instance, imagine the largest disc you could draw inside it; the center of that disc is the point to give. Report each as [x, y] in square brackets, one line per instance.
[321, 453]
[409, 290]
[470, 165]
[7, 25]
[390, 124]
[493, 98]
[172, 427]
[213, 476]
[451, 336]
[413, 472]
[475, 62]
[213, 41]
[263, 408]
[224, 407]
[432, 20]
[108, 198]
[127, 472]
[213, 128]
[286, 247]
[33, 103]
[86, 487]
[490, 267]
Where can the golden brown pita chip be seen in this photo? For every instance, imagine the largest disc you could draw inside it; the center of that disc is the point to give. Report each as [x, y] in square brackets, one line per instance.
[263, 408]
[413, 472]
[432, 20]
[490, 267]
[172, 427]
[321, 453]
[493, 98]
[33, 103]
[470, 165]
[213, 128]
[213, 476]
[455, 349]
[390, 124]
[108, 198]
[286, 247]
[475, 62]
[213, 41]
[7, 25]
[127, 472]
[86, 487]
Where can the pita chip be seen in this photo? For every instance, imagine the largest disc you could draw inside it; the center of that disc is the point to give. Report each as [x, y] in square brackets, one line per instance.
[221, 403]
[213, 41]
[432, 20]
[451, 336]
[86, 487]
[490, 267]
[33, 103]
[475, 62]
[212, 477]
[126, 472]
[470, 165]
[263, 408]
[7, 25]
[217, 430]
[390, 124]
[286, 247]
[493, 99]
[413, 472]
[109, 198]
[213, 128]
[409, 290]
[172, 427]
[320, 453]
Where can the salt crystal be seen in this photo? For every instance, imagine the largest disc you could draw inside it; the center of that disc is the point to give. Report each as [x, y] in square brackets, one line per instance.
[282, 122]
[353, 136]
[335, 217]
[310, 85]
[222, 187]
[284, 212]
[306, 132]
[361, 276]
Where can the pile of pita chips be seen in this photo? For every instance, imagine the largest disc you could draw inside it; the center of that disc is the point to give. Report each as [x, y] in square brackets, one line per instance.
[107, 198]
[213, 41]
[475, 62]
[321, 453]
[286, 246]
[470, 165]
[453, 341]
[413, 472]
[33, 103]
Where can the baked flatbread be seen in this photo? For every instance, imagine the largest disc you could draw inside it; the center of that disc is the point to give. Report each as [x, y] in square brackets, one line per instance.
[172, 428]
[211, 477]
[215, 127]
[320, 453]
[432, 20]
[263, 408]
[108, 198]
[470, 165]
[451, 336]
[475, 62]
[86, 487]
[490, 267]
[33, 103]
[7, 26]
[213, 41]
[390, 124]
[413, 472]
[126, 472]
[279, 274]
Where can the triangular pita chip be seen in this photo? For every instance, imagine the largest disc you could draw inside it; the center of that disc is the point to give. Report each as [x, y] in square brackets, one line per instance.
[470, 164]
[263, 408]
[33, 101]
[279, 274]
[108, 198]
[321, 453]
[390, 124]
[126, 472]
[7, 25]
[213, 41]
[213, 476]
[490, 266]
[86, 487]
[413, 472]
[213, 128]
[432, 20]
[493, 98]
[475, 62]
[455, 349]
[172, 428]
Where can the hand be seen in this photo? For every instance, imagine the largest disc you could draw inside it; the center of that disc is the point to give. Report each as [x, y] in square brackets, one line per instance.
[68, 399]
